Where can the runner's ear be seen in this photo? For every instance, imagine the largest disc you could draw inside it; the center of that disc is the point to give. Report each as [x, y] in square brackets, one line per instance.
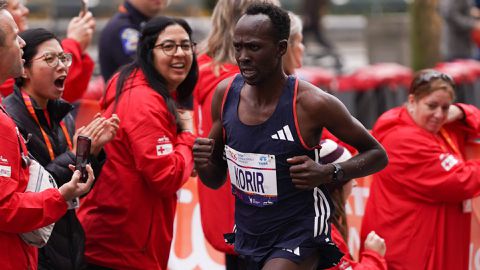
[282, 47]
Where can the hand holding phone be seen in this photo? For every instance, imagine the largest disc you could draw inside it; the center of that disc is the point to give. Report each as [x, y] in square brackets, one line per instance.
[82, 156]
[84, 7]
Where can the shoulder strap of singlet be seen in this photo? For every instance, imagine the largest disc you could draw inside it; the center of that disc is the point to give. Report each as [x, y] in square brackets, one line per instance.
[295, 118]
[224, 99]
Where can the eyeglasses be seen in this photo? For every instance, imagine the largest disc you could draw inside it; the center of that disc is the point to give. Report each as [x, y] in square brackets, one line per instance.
[170, 48]
[432, 75]
[52, 59]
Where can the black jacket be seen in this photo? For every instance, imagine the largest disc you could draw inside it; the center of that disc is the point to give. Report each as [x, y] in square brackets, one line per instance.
[65, 248]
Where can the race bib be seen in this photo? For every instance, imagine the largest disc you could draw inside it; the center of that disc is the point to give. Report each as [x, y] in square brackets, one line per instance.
[253, 177]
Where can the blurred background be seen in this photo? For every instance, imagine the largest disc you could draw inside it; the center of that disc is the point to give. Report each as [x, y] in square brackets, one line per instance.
[366, 54]
[362, 32]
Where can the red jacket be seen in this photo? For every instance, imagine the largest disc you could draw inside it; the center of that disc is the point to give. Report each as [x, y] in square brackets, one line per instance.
[19, 211]
[369, 260]
[79, 73]
[415, 203]
[128, 216]
[217, 207]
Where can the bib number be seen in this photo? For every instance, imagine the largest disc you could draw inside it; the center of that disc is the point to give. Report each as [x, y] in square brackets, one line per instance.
[253, 177]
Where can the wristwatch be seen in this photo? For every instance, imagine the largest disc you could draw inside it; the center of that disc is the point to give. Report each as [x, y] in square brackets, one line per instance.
[337, 173]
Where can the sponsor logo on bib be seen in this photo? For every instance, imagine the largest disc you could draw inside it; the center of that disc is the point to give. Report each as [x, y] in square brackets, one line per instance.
[253, 177]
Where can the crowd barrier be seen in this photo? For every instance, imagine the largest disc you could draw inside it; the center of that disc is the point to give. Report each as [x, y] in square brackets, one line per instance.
[374, 89]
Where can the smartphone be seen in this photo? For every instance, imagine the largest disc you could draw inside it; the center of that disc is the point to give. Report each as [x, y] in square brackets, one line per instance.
[84, 7]
[82, 157]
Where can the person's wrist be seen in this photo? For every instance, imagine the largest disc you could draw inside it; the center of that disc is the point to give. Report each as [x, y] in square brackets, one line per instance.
[65, 192]
[187, 130]
[337, 175]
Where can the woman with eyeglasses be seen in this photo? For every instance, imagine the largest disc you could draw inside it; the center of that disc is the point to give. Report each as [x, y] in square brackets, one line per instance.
[420, 202]
[45, 122]
[128, 217]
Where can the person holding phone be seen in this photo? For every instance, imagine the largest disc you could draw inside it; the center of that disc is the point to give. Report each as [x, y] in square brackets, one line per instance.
[79, 35]
[128, 216]
[44, 120]
[23, 211]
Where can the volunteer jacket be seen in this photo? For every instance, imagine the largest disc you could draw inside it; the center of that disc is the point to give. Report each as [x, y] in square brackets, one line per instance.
[65, 246]
[217, 207]
[415, 203]
[128, 216]
[369, 260]
[79, 73]
[21, 212]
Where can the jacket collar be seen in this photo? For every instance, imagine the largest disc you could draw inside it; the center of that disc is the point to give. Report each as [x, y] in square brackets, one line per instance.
[57, 109]
[137, 17]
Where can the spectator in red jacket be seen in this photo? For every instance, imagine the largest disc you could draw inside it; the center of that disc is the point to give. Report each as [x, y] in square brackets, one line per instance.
[128, 217]
[372, 257]
[23, 211]
[418, 202]
[79, 35]
[45, 119]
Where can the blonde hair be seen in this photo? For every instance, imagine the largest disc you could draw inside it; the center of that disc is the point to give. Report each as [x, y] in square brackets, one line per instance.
[219, 42]
[296, 25]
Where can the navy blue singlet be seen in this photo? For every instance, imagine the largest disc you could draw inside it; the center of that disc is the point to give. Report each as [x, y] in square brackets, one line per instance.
[269, 210]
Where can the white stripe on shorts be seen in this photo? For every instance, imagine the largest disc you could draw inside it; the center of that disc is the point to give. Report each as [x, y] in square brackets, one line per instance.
[322, 212]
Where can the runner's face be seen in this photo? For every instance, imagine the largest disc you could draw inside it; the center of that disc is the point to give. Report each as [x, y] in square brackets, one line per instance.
[257, 51]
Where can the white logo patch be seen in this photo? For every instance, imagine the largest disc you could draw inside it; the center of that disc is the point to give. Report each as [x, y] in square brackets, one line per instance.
[164, 149]
[283, 134]
[296, 251]
[448, 161]
[164, 146]
[5, 171]
[129, 37]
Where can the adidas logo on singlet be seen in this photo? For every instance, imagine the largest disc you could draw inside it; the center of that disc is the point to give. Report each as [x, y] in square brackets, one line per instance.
[283, 134]
[295, 251]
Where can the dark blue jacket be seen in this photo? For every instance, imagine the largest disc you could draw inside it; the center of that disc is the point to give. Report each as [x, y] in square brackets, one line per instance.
[118, 40]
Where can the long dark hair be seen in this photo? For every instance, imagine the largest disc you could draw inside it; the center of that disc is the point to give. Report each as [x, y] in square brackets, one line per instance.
[33, 39]
[144, 62]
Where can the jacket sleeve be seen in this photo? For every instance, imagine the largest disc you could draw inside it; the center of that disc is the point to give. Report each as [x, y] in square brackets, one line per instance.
[421, 169]
[58, 167]
[79, 73]
[20, 211]
[163, 157]
[369, 260]
[471, 123]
